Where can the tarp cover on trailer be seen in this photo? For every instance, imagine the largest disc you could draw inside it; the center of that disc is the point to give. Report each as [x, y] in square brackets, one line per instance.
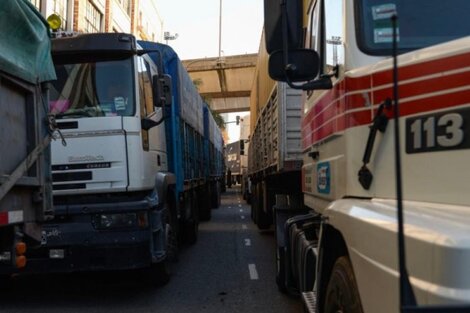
[187, 101]
[25, 44]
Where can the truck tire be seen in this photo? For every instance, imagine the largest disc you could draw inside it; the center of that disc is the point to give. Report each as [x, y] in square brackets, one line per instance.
[263, 218]
[342, 294]
[281, 270]
[159, 274]
[254, 203]
[172, 238]
[171, 228]
[205, 204]
[192, 224]
[219, 196]
[215, 195]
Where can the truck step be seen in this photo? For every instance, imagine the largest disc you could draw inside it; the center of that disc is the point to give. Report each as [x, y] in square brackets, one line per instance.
[310, 301]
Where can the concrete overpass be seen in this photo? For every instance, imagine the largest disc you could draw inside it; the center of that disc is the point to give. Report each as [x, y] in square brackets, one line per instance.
[226, 81]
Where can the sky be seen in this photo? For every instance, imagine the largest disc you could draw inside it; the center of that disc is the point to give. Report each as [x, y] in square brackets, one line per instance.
[197, 24]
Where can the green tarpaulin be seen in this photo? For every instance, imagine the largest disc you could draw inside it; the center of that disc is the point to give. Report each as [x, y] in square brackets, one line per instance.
[25, 47]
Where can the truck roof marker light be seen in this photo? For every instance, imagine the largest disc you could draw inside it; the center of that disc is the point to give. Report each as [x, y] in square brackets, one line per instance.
[54, 21]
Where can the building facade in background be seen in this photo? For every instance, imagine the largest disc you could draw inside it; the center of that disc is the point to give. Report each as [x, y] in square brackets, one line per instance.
[138, 17]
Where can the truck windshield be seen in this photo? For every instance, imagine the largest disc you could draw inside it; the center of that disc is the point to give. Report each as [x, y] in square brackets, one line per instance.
[421, 23]
[93, 89]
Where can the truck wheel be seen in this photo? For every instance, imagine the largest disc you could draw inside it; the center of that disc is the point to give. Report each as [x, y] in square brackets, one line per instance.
[281, 270]
[159, 274]
[263, 218]
[342, 294]
[172, 239]
[171, 229]
[214, 196]
[254, 203]
[192, 228]
[192, 225]
[205, 205]
[219, 198]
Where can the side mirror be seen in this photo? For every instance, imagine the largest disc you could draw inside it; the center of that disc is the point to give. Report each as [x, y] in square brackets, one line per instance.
[162, 90]
[147, 123]
[302, 65]
[273, 24]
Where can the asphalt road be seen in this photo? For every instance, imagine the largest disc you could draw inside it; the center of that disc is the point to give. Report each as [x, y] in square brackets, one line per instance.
[230, 269]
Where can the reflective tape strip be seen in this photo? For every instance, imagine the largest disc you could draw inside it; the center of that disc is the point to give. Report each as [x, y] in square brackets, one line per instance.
[15, 217]
[11, 217]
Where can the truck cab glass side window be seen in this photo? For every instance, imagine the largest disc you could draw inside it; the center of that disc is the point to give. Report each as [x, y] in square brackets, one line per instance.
[145, 96]
[334, 34]
[314, 29]
[145, 87]
[313, 33]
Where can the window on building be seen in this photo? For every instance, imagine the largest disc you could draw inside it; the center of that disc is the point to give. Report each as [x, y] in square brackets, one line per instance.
[126, 5]
[58, 7]
[334, 37]
[93, 18]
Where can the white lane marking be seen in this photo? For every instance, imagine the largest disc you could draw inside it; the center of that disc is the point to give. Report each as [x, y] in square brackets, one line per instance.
[241, 210]
[248, 242]
[243, 217]
[240, 205]
[253, 272]
[229, 207]
[244, 226]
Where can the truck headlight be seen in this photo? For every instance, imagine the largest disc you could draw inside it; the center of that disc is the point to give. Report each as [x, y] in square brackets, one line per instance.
[121, 220]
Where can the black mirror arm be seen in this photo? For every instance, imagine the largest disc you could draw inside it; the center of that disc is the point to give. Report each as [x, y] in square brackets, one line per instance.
[323, 82]
[147, 123]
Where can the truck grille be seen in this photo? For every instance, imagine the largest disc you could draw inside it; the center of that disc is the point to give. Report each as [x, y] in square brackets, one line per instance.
[71, 176]
[68, 186]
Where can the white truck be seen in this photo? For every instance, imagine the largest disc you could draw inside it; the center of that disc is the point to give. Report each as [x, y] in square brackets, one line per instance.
[128, 185]
[389, 209]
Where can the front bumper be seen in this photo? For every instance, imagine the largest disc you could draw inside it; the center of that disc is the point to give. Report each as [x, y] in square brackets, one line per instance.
[74, 241]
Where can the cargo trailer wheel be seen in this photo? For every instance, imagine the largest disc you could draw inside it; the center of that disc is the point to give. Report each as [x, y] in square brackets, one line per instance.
[215, 195]
[342, 294]
[192, 225]
[263, 218]
[172, 239]
[281, 270]
[205, 205]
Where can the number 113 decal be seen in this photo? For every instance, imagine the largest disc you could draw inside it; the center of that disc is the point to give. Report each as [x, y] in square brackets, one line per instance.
[437, 132]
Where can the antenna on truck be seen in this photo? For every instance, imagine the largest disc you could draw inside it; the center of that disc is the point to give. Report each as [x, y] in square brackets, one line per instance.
[407, 297]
